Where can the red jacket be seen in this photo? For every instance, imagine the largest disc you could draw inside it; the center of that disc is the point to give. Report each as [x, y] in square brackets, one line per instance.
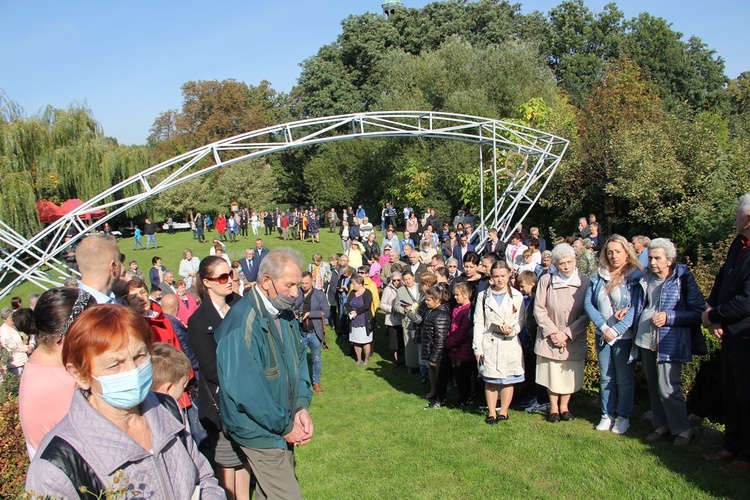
[458, 341]
[221, 225]
[162, 329]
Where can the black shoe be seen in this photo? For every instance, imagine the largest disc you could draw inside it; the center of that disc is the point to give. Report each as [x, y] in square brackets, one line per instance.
[553, 418]
[566, 416]
[502, 417]
[490, 420]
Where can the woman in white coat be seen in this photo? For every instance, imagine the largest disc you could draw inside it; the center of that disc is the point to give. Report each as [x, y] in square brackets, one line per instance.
[496, 345]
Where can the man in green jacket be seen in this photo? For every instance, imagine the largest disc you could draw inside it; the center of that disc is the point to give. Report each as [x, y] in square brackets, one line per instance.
[264, 376]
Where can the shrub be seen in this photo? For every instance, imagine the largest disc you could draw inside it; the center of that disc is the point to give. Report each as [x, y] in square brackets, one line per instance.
[13, 459]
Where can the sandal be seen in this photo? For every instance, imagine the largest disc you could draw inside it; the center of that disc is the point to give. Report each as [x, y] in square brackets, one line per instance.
[490, 420]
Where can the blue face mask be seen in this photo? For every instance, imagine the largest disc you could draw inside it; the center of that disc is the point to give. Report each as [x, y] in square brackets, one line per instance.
[128, 389]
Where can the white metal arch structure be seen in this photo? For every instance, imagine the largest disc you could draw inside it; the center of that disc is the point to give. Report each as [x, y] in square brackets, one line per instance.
[525, 157]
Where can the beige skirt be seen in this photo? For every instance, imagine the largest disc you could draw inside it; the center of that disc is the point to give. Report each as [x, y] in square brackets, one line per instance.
[560, 377]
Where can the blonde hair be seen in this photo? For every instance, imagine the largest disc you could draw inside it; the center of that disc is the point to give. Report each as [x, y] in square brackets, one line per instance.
[617, 276]
[169, 365]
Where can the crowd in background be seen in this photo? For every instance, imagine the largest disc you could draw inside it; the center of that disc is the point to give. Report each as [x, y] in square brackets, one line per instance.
[501, 322]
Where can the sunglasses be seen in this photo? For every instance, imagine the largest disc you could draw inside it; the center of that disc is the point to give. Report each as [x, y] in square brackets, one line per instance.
[361, 272]
[221, 279]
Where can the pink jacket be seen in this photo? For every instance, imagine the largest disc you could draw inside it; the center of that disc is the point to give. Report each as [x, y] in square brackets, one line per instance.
[185, 311]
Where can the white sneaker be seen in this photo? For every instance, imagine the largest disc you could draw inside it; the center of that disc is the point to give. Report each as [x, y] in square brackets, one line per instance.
[621, 425]
[605, 423]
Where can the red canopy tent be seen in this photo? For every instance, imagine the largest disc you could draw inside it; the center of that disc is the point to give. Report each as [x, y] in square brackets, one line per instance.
[74, 203]
[49, 212]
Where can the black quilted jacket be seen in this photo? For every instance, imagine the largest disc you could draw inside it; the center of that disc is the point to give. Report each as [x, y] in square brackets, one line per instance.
[435, 328]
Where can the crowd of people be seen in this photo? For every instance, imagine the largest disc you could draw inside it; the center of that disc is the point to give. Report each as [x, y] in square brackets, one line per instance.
[214, 358]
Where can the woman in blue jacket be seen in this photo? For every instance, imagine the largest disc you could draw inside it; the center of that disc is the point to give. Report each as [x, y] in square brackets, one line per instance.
[608, 304]
[667, 303]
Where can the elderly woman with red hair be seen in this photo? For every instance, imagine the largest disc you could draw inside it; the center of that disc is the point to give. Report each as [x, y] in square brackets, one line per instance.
[117, 434]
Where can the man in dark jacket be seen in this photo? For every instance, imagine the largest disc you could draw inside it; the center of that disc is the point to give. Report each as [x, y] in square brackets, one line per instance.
[312, 311]
[728, 318]
[462, 249]
[434, 221]
[264, 377]
[260, 251]
[149, 229]
[250, 266]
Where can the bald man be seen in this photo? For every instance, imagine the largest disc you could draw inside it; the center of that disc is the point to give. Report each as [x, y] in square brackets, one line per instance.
[170, 305]
[98, 259]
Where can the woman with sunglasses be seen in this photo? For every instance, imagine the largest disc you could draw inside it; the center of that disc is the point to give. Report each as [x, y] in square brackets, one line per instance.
[46, 386]
[214, 286]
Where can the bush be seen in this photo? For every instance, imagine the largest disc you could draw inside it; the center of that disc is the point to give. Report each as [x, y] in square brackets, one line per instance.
[13, 459]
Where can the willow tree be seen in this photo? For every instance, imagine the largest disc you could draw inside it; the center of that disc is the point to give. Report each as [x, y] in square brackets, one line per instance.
[56, 155]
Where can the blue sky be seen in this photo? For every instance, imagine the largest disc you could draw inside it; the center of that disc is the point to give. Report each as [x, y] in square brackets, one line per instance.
[128, 60]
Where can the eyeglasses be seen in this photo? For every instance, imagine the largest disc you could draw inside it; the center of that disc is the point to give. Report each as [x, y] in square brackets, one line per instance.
[361, 272]
[396, 281]
[221, 279]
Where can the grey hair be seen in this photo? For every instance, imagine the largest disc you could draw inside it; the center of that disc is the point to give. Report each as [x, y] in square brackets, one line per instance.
[6, 312]
[168, 271]
[71, 281]
[547, 253]
[274, 263]
[744, 206]
[666, 244]
[451, 261]
[587, 243]
[561, 251]
[396, 274]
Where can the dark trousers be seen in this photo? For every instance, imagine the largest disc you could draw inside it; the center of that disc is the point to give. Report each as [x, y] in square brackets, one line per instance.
[462, 375]
[530, 385]
[333, 318]
[445, 374]
[735, 391]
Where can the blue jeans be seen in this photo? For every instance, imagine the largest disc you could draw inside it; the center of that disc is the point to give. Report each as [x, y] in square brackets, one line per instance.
[616, 384]
[313, 342]
[196, 429]
[151, 238]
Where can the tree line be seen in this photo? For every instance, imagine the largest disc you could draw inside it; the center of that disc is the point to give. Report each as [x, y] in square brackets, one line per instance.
[658, 132]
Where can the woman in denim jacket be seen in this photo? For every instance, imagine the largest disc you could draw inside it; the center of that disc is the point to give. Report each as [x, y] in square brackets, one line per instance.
[608, 304]
[667, 303]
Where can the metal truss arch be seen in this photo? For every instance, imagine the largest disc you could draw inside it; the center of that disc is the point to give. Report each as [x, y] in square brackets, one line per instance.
[539, 155]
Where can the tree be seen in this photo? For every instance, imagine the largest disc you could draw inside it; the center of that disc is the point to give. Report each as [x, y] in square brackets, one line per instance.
[579, 43]
[56, 155]
[683, 72]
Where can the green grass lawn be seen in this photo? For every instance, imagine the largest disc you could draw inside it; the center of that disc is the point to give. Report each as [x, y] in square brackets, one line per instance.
[373, 439]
